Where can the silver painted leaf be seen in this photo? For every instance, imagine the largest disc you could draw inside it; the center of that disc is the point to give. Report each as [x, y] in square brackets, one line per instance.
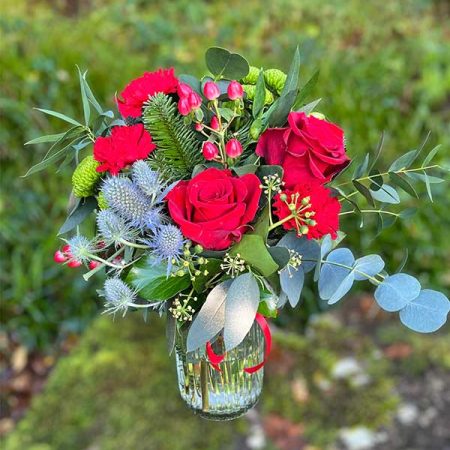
[240, 309]
[342, 289]
[370, 265]
[292, 284]
[210, 319]
[307, 248]
[396, 291]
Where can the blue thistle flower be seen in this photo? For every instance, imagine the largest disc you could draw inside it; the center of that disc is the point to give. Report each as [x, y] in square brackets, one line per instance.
[125, 198]
[167, 245]
[155, 218]
[81, 248]
[148, 180]
[118, 296]
[113, 228]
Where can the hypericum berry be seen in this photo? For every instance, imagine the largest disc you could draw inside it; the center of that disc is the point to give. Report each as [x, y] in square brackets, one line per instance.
[235, 90]
[211, 90]
[233, 148]
[183, 90]
[214, 123]
[210, 151]
[59, 257]
[74, 263]
[93, 264]
[195, 101]
[66, 250]
[199, 126]
[184, 107]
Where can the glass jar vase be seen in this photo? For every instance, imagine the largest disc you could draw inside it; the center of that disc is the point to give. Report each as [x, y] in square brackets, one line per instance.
[224, 391]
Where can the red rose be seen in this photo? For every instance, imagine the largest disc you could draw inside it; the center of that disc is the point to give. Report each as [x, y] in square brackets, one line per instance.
[322, 209]
[138, 91]
[124, 146]
[309, 148]
[214, 207]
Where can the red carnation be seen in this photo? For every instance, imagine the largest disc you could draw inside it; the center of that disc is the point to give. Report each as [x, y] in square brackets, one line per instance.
[316, 210]
[124, 146]
[139, 90]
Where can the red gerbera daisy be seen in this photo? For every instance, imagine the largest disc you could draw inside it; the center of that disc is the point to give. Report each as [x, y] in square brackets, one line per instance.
[124, 146]
[313, 211]
[138, 91]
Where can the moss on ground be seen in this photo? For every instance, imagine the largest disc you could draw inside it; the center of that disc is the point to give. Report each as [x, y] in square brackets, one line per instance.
[117, 390]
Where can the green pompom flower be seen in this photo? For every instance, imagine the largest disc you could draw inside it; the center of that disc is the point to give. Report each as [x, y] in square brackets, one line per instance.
[275, 80]
[250, 90]
[101, 201]
[85, 177]
[252, 76]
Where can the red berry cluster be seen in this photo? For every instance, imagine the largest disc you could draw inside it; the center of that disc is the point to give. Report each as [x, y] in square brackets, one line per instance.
[189, 100]
[64, 256]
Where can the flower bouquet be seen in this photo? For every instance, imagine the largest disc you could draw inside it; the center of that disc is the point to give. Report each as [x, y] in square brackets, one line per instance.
[213, 199]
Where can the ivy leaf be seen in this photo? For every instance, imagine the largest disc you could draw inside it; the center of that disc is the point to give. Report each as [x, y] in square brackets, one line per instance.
[427, 312]
[396, 291]
[224, 64]
[211, 317]
[241, 305]
[213, 268]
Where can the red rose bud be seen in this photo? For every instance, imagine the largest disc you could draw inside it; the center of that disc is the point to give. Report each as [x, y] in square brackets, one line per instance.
[235, 90]
[183, 90]
[59, 257]
[210, 151]
[199, 126]
[211, 90]
[184, 107]
[93, 264]
[233, 148]
[195, 101]
[214, 123]
[74, 263]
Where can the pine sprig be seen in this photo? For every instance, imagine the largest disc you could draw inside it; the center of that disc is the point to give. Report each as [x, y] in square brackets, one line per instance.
[178, 149]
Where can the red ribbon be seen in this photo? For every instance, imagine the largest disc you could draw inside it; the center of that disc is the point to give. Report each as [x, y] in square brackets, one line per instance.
[216, 359]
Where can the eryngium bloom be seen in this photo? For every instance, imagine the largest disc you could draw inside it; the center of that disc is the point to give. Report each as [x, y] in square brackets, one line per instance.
[113, 228]
[81, 248]
[118, 295]
[148, 180]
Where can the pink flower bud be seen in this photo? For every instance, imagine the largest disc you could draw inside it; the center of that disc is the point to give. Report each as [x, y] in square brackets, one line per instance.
[184, 107]
[74, 263]
[195, 100]
[59, 257]
[93, 264]
[210, 151]
[211, 90]
[199, 126]
[233, 148]
[235, 90]
[183, 90]
[214, 123]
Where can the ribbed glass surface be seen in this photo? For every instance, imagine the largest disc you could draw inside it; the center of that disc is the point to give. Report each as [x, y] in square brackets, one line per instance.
[224, 394]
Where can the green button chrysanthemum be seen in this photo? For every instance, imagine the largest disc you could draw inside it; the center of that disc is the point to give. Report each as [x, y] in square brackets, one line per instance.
[275, 80]
[250, 91]
[85, 177]
[252, 76]
[101, 201]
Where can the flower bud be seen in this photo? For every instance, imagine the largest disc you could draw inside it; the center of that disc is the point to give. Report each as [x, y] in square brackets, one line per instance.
[74, 263]
[211, 90]
[195, 101]
[59, 257]
[93, 264]
[235, 90]
[304, 229]
[184, 90]
[184, 106]
[210, 151]
[198, 249]
[233, 148]
[283, 197]
[214, 123]
[199, 126]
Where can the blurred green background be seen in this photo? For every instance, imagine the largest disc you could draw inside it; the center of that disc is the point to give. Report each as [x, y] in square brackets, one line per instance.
[384, 66]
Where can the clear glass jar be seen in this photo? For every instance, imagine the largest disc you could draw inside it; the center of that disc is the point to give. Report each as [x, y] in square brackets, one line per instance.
[225, 394]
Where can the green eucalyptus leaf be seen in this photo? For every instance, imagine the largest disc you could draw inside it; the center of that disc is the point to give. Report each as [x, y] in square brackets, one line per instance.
[292, 78]
[192, 81]
[278, 112]
[310, 107]
[45, 139]
[403, 162]
[363, 190]
[431, 155]
[224, 64]
[245, 169]
[403, 183]
[306, 90]
[60, 116]
[260, 95]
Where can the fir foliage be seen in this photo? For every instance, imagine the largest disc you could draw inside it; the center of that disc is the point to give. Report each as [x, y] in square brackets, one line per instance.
[178, 149]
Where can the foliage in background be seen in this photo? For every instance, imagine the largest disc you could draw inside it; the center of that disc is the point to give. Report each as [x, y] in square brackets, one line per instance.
[382, 67]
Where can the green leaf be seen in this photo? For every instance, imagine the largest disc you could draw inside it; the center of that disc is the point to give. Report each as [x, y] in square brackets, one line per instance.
[226, 113]
[280, 255]
[84, 99]
[403, 261]
[376, 180]
[260, 95]
[224, 64]
[266, 170]
[362, 168]
[292, 78]
[377, 151]
[403, 183]
[253, 250]
[424, 176]
[59, 116]
[427, 184]
[89, 93]
[152, 282]
[171, 332]
[278, 112]
[267, 307]
[403, 162]
[364, 191]
[306, 90]
[192, 81]
[407, 213]
[261, 227]
[245, 169]
[386, 194]
[310, 107]
[431, 155]
[79, 214]
[44, 139]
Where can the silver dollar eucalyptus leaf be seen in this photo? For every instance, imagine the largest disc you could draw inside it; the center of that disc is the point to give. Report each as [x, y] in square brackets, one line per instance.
[210, 319]
[240, 309]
